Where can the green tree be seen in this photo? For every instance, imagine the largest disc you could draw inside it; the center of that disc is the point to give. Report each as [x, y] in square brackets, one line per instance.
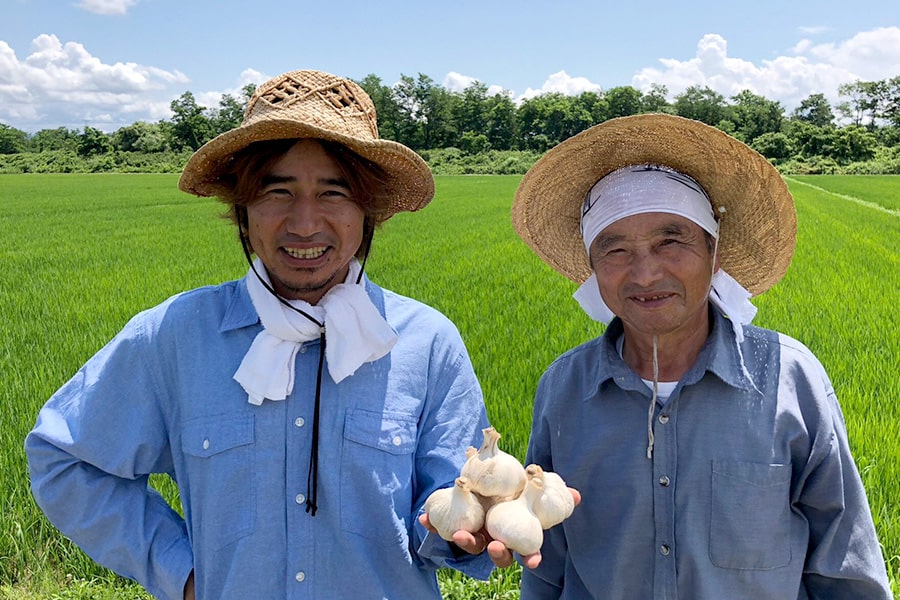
[501, 122]
[810, 140]
[92, 142]
[853, 144]
[772, 145]
[140, 137]
[701, 104]
[60, 138]
[12, 140]
[622, 101]
[754, 115]
[816, 110]
[191, 128]
[386, 108]
[230, 112]
[656, 99]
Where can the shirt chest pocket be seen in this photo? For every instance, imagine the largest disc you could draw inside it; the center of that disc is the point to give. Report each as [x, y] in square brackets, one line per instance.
[221, 477]
[377, 465]
[750, 525]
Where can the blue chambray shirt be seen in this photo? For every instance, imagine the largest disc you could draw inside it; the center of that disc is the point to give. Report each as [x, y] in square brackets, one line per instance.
[749, 494]
[160, 398]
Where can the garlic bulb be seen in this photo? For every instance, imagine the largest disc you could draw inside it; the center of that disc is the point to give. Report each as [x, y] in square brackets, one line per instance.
[491, 471]
[554, 503]
[513, 523]
[454, 508]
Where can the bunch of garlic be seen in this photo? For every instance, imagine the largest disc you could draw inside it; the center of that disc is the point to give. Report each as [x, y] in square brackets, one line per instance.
[515, 504]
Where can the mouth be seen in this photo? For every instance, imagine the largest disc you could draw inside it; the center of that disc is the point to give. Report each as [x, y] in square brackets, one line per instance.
[306, 253]
[651, 300]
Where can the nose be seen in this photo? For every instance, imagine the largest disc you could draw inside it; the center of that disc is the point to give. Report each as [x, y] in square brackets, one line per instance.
[646, 269]
[304, 217]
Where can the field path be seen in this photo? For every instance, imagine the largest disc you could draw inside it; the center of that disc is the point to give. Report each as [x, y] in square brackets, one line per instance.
[860, 201]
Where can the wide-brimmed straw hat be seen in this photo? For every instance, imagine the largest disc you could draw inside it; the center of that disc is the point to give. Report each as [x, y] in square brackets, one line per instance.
[757, 219]
[313, 104]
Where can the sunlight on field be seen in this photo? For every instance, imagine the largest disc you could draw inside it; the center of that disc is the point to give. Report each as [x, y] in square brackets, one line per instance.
[84, 253]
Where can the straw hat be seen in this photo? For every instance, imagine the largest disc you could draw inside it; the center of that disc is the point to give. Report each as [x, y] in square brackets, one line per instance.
[313, 104]
[757, 220]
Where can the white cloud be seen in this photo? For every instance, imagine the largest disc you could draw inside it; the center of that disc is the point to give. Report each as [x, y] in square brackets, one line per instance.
[811, 68]
[107, 7]
[456, 82]
[64, 85]
[563, 83]
[812, 29]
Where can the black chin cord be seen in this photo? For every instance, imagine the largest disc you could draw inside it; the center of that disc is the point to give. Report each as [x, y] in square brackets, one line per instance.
[312, 476]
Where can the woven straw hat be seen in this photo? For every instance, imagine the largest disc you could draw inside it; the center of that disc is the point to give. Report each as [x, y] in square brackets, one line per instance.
[313, 104]
[757, 220]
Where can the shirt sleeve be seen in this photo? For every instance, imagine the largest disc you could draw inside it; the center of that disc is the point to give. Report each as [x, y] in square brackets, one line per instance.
[546, 580]
[90, 454]
[454, 418]
[844, 558]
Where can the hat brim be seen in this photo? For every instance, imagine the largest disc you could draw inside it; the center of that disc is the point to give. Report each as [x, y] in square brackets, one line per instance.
[758, 222]
[410, 181]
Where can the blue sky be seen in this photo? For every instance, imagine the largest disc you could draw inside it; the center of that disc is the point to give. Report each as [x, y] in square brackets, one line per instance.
[109, 63]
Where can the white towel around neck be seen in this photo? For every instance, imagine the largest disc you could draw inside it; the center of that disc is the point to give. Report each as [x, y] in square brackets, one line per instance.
[355, 333]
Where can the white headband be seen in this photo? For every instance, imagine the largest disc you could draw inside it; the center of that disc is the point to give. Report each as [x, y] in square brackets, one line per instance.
[641, 189]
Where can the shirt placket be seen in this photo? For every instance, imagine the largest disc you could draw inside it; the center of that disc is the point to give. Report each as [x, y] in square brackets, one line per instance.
[664, 481]
[300, 569]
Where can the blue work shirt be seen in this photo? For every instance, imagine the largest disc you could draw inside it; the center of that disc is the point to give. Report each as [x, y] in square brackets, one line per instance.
[160, 398]
[749, 494]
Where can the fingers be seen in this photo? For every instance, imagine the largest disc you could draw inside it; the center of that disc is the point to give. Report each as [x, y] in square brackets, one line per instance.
[473, 543]
[500, 554]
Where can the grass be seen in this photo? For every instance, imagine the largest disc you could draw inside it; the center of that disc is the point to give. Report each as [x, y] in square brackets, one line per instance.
[83, 253]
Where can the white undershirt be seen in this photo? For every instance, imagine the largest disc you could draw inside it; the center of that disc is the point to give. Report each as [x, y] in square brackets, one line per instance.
[664, 389]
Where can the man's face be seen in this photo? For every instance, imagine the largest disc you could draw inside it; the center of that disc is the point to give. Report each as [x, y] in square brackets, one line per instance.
[654, 272]
[304, 224]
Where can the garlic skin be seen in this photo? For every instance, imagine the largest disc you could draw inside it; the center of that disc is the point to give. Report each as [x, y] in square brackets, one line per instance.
[554, 503]
[491, 471]
[454, 508]
[513, 523]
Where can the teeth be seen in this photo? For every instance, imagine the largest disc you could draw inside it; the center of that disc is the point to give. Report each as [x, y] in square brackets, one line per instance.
[651, 298]
[306, 252]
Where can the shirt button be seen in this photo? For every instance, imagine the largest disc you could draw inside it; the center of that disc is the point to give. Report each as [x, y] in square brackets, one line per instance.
[299, 422]
[300, 576]
[300, 499]
[663, 419]
[397, 440]
[206, 444]
[664, 481]
[303, 349]
[664, 550]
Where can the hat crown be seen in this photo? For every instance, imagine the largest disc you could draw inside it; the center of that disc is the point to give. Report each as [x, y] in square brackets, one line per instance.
[318, 99]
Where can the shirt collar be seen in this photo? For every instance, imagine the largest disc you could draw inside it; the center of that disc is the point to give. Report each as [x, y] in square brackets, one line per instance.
[719, 356]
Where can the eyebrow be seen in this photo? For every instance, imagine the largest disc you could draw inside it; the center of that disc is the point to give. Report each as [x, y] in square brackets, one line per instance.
[274, 179]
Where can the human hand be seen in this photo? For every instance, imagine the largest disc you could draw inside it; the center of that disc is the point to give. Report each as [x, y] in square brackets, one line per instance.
[473, 543]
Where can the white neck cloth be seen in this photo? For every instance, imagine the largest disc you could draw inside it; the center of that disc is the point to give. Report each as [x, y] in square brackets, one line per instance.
[355, 333]
[642, 189]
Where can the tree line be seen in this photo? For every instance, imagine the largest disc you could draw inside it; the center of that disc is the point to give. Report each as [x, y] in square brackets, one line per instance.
[860, 133]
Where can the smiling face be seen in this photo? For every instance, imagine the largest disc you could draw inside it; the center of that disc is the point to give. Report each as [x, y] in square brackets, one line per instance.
[654, 272]
[304, 223]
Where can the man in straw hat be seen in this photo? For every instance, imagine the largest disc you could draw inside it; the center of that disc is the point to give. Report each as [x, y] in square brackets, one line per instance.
[711, 455]
[304, 412]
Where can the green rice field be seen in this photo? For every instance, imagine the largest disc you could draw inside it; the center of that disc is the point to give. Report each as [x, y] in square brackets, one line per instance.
[83, 253]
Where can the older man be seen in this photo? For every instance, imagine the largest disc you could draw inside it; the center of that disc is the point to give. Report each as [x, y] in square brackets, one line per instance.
[711, 455]
[304, 412]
